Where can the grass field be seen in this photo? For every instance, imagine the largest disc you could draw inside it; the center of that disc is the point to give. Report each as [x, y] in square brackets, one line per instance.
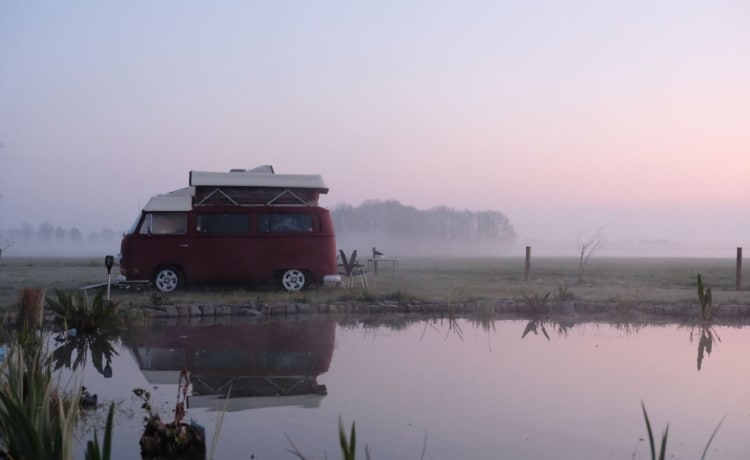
[624, 280]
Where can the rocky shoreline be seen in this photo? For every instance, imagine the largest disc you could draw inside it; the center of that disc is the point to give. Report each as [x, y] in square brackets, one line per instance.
[499, 308]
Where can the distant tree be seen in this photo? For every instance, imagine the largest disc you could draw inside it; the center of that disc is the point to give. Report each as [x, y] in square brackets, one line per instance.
[108, 234]
[6, 246]
[26, 231]
[46, 231]
[76, 235]
[59, 233]
[587, 249]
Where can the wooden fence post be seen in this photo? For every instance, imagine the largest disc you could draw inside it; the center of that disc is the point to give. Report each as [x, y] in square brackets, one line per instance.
[739, 269]
[527, 269]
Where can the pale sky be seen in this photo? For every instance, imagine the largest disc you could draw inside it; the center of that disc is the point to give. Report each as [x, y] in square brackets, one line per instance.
[566, 116]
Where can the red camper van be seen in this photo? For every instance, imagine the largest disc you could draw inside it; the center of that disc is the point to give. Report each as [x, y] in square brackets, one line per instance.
[238, 226]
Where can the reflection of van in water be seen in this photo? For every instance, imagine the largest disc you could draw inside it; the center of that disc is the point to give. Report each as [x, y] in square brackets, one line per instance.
[240, 226]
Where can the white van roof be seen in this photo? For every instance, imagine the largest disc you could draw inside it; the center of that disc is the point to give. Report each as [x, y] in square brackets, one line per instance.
[242, 178]
[179, 200]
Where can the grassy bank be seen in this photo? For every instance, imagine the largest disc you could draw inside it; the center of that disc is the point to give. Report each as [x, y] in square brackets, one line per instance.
[622, 280]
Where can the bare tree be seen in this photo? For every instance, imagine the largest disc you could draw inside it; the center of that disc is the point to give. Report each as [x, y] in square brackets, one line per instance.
[588, 248]
[7, 245]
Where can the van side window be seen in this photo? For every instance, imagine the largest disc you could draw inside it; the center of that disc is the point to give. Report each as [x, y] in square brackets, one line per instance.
[279, 223]
[222, 223]
[164, 224]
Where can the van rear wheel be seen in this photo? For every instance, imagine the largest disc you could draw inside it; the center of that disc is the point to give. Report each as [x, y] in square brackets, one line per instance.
[293, 280]
[167, 279]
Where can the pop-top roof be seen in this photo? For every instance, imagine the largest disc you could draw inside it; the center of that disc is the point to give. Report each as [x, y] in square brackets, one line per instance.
[257, 180]
[256, 186]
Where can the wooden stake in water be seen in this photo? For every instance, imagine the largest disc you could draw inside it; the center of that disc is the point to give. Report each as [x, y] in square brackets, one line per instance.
[108, 262]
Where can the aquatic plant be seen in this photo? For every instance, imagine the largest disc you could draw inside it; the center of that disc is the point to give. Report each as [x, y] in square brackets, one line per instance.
[174, 440]
[78, 313]
[536, 303]
[96, 452]
[348, 447]
[562, 293]
[705, 299]
[663, 444]
[36, 420]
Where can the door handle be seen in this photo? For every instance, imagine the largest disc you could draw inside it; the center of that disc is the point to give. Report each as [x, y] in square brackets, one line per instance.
[184, 245]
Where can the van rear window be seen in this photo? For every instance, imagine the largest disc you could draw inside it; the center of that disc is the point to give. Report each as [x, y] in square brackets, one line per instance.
[223, 223]
[164, 224]
[281, 223]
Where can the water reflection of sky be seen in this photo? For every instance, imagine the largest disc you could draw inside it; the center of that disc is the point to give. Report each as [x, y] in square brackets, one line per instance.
[482, 393]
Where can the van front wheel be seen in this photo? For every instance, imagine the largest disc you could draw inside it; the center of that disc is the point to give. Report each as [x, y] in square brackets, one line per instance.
[293, 280]
[167, 279]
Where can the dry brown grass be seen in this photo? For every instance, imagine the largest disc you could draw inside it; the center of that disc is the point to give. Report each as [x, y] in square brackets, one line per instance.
[623, 280]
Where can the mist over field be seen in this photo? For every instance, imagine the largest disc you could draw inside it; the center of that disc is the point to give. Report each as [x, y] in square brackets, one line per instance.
[398, 230]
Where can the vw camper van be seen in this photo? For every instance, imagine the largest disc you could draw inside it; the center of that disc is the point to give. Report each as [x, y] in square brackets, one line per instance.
[245, 226]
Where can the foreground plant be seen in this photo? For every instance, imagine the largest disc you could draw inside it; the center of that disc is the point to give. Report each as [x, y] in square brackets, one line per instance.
[104, 452]
[706, 301]
[174, 440]
[36, 420]
[537, 303]
[77, 312]
[663, 445]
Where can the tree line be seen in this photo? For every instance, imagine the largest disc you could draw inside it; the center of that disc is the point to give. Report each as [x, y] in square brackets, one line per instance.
[393, 218]
[48, 233]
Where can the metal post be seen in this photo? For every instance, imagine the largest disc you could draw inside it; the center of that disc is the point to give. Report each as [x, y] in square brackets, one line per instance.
[739, 269]
[527, 270]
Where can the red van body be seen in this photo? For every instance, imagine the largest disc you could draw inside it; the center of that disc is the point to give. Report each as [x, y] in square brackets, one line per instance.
[178, 239]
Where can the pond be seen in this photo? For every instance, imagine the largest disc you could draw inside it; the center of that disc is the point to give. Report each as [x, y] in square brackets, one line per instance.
[454, 388]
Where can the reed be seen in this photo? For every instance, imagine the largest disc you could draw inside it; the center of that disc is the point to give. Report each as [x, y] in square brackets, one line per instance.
[36, 420]
[104, 452]
[663, 445]
[30, 307]
[706, 300]
[652, 446]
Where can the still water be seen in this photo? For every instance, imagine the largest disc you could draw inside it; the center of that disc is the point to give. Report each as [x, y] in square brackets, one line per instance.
[505, 389]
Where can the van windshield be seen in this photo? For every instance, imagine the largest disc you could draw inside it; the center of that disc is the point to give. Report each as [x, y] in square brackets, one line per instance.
[132, 228]
[164, 224]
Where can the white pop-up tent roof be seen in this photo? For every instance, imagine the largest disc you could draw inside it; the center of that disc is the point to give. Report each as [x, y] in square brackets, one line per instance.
[257, 180]
[260, 185]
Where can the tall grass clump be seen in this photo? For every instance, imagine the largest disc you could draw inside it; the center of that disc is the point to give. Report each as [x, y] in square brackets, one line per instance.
[84, 315]
[705, 299]
[36, 420]
[536, 303]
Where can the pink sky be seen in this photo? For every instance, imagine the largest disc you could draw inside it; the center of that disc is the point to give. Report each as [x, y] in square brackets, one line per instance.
[566, 118]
